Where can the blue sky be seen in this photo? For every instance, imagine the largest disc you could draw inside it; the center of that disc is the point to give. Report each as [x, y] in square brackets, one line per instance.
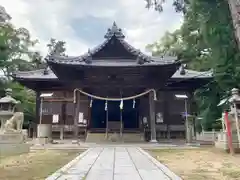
[83, 23]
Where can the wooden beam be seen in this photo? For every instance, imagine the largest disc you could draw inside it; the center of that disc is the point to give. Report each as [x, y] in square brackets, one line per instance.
[58, 100]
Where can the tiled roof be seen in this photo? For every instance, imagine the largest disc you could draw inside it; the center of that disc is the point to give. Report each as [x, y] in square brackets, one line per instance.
[40, 75]
[112, 62]
[36, 74]
[117, 34]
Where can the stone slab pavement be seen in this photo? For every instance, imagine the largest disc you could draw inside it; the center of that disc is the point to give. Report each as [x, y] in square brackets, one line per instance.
[114, 163]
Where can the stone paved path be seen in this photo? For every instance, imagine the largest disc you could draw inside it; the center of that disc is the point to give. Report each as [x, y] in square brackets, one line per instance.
[114, 163]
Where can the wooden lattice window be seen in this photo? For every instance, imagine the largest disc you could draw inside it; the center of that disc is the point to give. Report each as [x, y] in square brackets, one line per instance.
[50, 108]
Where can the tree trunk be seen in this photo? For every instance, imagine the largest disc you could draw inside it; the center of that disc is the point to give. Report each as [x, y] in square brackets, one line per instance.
[234, 6]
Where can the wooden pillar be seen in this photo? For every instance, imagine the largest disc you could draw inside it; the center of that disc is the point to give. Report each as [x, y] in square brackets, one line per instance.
[106, 132]
[121, 123]
[63, 115]
[77, 109]
[152, 117]
[166, 133]
[191, 110]
[37, 120]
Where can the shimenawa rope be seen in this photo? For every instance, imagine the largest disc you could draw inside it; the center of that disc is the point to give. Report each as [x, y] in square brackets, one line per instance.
[113, 99]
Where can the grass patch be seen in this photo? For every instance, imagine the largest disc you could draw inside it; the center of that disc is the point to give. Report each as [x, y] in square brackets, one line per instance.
[36, 165]
[200, 163]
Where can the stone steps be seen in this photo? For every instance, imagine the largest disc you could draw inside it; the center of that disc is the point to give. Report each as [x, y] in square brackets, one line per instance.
[95, 137]
[114, 137]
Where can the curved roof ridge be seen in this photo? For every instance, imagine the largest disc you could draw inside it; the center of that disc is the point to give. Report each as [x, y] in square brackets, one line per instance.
[52, 58]
[192, 74]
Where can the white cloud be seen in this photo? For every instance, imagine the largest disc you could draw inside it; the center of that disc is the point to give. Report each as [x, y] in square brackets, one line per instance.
[51, 18]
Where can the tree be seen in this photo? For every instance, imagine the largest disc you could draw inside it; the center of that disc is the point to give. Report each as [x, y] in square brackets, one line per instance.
[4, 16]
[158, 5]
[206, 41]
[14, 55]
[36, 60]
[27, 98]
[15, 43]
[171, 44]
[56, 47]
[180, 6]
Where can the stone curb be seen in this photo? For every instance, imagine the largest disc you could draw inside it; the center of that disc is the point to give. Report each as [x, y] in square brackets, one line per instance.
[59, 148]
[59, 172]
[162, 167]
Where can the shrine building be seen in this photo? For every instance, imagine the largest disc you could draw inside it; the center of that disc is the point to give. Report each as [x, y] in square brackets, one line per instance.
[113, 89]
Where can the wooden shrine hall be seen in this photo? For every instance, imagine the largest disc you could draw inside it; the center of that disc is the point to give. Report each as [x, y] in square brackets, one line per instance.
[113, 92]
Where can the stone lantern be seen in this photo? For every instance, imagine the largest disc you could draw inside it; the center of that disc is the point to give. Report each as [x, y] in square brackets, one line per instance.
[8, 107]
[234, 115]
[12, 138]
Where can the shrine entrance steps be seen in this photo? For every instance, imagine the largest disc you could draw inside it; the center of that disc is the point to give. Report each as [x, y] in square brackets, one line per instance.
[135, 137]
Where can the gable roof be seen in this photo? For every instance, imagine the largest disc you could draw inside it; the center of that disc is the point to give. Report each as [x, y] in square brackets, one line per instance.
[113, 37]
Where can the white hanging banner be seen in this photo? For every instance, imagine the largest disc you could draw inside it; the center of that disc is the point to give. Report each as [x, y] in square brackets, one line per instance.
[55, 118]
[91, 103]
[145, 120]
[159, 118]
[106, 104]
[134, 102]
[80, 117]
[121, 105]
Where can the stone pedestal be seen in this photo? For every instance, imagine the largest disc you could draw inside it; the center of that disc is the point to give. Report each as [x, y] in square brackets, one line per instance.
[44, 133]
[13, 143]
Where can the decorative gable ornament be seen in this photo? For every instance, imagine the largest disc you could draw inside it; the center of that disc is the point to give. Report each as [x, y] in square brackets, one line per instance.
[140, 59]
[88, 59]
[182, 70]
[46, 71]
[114, 31]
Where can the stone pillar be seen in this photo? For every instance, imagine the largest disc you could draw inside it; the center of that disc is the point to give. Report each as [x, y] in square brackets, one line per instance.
[62, 132]
[234, 118]
[152, 117]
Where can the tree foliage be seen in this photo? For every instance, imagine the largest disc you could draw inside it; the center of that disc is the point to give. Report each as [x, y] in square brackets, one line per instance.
[56, 47]
[158, 5]
[16, 54]
[206, 41]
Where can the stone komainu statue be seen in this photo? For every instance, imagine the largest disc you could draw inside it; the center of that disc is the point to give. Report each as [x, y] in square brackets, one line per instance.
[15, 123]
